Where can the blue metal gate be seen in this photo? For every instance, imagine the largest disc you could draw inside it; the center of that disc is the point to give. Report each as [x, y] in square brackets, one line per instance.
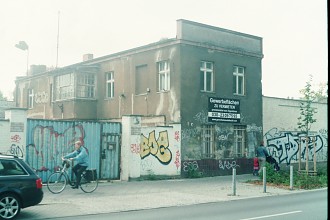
[48, 141]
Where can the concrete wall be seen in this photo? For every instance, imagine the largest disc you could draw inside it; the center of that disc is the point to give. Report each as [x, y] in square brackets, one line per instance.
[149, 150]
[281, 133]
[13, 132]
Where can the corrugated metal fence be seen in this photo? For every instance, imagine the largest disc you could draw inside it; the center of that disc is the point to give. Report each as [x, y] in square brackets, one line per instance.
[47, 141]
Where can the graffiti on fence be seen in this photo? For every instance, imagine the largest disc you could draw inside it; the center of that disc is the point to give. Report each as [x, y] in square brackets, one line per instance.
[51, 144]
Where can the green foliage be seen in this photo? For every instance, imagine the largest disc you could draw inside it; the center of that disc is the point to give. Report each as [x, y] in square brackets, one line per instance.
[300, 181]
[193, 173]
[306, 118]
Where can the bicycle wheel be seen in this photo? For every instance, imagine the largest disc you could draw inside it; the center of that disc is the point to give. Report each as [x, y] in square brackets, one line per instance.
[87, 185]
[56, 182]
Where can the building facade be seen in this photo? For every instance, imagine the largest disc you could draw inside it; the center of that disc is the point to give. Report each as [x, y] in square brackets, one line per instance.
[207, 79]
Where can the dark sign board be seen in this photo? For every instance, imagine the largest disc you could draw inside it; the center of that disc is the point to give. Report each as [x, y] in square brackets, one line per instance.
[224, 110]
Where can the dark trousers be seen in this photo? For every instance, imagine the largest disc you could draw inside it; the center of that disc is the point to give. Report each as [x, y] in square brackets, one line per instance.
[78, 170]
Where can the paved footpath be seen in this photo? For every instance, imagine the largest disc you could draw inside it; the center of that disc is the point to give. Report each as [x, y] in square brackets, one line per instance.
[120, 196]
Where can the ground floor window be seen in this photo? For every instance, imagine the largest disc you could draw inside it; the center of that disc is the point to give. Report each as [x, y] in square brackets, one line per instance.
[239, 143]
[208, 144]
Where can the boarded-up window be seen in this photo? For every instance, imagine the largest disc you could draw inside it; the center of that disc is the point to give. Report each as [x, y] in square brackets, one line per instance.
[141, 79]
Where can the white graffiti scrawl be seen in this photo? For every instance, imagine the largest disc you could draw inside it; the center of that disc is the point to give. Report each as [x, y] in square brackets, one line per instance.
[284, 146]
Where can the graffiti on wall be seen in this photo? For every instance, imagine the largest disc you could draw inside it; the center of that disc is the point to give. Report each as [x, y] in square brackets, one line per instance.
[16, 150]
[284, 146]
[41, 97]
[216, 167]
[159, 148]
[228, 164]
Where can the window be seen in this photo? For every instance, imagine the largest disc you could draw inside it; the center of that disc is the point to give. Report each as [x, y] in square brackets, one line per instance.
[10, 167]
[74, 85]
[208, 145]
[85, 85]
[206, 76]
[64, 86]
[30, 98]
[163, 76]
[141, 79]
[239, 148]
[238, 80]
[51, 89]
[109, 85]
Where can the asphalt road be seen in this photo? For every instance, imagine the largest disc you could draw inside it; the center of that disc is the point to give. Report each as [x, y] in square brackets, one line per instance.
[303, 206]
[124, 197]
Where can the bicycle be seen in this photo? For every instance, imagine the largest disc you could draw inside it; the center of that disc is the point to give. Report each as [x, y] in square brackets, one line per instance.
[58, 180]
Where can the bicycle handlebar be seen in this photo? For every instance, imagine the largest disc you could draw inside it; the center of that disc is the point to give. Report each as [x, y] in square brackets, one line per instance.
[66, 162]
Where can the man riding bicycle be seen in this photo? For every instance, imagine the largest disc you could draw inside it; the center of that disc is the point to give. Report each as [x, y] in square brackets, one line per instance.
[80, 155]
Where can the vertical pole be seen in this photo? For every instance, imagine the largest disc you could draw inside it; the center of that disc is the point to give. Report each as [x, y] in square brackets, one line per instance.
[314, 146]
[264, 178]
[27, 61]
[299, 155]
[291, 177]
[234, 182]
[307, 158]
[58, 36]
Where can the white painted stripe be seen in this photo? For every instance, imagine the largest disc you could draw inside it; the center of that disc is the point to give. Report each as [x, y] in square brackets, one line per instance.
[268, 216]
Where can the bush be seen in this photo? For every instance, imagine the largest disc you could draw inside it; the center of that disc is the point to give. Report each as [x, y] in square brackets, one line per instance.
[300, 181]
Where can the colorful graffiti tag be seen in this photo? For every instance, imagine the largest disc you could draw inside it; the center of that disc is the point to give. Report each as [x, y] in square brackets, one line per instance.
[49, 145]
[158, 148]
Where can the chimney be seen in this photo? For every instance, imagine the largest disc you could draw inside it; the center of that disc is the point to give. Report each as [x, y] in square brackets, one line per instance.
[35, 69]
[88, 56]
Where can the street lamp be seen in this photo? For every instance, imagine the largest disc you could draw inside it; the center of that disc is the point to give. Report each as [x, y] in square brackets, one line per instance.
[23, 46]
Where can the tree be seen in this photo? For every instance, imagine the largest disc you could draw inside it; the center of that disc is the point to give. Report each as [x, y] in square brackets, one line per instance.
[306, 118]
[2, 97]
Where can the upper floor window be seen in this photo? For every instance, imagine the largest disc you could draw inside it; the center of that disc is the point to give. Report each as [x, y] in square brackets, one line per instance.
[64, 86]
[238, 80]
[85, 85]
[206, 77]
[164, 76]
[30, 98]
[141, 79]
[74, 85]
[109, 85]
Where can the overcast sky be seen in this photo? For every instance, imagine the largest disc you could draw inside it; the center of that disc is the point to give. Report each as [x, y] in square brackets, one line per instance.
[294, 33]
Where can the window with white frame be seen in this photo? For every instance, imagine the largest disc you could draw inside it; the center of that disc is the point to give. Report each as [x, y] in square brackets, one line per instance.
[109, 85]
[208, 143]
[85, 85]
[164, 76]
[238, 80]
[239, 147]
[206, 77]
[74, 85]
[64, 86]
[30, 98]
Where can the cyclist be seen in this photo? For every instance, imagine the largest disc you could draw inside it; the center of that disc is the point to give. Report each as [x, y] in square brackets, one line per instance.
[79, 155]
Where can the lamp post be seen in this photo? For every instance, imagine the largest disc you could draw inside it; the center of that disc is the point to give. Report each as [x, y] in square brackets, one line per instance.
[23, 46]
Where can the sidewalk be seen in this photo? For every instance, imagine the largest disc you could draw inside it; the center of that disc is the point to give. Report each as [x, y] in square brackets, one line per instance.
[125, 196]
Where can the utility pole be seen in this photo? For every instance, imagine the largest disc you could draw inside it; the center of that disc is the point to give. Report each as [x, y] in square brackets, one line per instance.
[58, 36]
